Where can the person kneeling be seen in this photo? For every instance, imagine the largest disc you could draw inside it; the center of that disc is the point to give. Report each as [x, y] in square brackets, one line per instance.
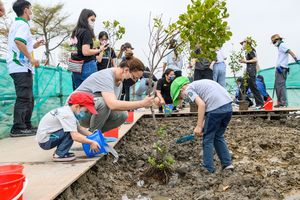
[60, 127]
[213, 102]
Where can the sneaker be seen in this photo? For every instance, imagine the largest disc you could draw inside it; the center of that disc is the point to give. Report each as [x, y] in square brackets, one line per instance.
[229, 167]
[259, 107]
[21, 132]
[280, 106]
[34, 129]
[67, 158]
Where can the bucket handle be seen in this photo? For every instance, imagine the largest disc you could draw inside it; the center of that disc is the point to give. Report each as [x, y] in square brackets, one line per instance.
[22, 191]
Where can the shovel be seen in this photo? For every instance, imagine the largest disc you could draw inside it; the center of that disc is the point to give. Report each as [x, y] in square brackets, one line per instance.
[186, 138]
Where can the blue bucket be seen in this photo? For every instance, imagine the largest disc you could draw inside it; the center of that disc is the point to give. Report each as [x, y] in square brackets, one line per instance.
[168, 108]
[98, 137]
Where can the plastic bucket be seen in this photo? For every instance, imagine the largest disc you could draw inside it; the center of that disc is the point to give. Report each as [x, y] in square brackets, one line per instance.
[98, 137]
[168, 108]
[268, 105]
[12, 186]
[130, 118]
[112, 133]
[11, 169]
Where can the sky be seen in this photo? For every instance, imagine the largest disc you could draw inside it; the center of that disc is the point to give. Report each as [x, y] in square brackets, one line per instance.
[257, 18]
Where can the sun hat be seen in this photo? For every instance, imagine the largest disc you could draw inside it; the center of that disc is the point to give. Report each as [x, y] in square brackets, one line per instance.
[83, 99]
[275, 37]
[176, 86]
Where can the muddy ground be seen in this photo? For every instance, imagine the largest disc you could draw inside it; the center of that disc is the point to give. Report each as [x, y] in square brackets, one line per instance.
[266, 156]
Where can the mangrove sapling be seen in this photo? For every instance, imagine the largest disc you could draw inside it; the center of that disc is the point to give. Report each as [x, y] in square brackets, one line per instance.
[161, 161]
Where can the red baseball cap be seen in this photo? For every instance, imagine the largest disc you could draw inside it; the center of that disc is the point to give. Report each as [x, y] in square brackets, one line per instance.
[83, 99]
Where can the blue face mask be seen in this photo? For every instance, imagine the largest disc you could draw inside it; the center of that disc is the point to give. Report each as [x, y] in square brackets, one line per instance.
[81, 116]
[172, 78]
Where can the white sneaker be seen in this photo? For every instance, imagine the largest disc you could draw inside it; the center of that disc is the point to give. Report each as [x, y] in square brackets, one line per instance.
[229, 167]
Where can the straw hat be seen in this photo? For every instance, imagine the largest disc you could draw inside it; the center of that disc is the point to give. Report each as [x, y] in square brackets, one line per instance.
[275, 37]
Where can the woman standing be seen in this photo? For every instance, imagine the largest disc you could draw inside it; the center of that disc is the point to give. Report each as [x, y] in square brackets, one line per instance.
[106, 58]
[84, 35]
[164, 87]
[173, 60]
[219, 68]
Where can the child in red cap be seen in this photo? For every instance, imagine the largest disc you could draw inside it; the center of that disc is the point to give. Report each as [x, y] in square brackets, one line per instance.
[60, 127]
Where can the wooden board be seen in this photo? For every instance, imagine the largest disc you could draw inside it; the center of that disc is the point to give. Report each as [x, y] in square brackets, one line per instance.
[48, 179]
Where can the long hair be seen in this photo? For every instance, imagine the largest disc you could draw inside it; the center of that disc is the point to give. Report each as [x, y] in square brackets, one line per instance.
[167, 72]
[83, 22]
[103, 33]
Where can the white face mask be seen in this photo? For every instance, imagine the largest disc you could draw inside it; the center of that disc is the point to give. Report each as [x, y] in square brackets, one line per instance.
[277, 43]
[92, 24]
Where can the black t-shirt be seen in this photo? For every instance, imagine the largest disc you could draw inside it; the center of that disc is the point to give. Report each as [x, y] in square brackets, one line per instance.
[251, 67]
[84, 36]
[106, 61]
[165, 89]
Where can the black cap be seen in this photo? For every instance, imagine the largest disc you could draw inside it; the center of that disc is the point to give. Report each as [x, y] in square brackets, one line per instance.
[127, 45]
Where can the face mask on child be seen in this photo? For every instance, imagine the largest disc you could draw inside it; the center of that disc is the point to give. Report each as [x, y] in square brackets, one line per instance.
[81, 116]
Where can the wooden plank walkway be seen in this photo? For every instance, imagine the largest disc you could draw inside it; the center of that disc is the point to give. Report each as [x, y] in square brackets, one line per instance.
[48, 179]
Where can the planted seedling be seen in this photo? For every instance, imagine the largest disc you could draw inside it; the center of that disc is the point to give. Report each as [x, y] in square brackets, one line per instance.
[161, 161]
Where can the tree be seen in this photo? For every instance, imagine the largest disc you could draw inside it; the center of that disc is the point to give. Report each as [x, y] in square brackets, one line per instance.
[160, 36]
[115, 31]
[51, 24]
[204, 26]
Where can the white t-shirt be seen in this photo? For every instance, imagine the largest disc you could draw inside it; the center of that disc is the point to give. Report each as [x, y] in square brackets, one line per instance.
[283, 56]
[174, 63]
[220, 56]
[57, 119]
[16, 61]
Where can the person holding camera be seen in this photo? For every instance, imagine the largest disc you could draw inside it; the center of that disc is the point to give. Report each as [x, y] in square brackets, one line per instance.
[107, 58]
[84, 35]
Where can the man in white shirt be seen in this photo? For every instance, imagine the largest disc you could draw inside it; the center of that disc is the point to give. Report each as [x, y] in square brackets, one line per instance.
[20, 63]
[282, 70]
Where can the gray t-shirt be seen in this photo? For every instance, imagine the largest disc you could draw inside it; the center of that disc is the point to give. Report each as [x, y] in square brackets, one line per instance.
[101, 81]
[211, 92]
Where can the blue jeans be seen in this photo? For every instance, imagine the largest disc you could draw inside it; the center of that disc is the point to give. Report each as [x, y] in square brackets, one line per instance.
[216, 122]
[60, 139]
[88, 68]
[219, 73]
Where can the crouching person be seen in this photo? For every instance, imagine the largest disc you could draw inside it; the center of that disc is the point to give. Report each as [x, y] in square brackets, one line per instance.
[214, 103]
[60, 127]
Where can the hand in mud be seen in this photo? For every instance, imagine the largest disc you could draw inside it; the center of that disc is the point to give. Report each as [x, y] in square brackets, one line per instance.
[95, 147]
[198, 131]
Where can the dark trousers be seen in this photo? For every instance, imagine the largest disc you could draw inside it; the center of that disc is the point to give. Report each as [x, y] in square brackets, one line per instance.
[25, 101]
[60, 139]
[256, 94]
[203, 74]
[127, 83]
